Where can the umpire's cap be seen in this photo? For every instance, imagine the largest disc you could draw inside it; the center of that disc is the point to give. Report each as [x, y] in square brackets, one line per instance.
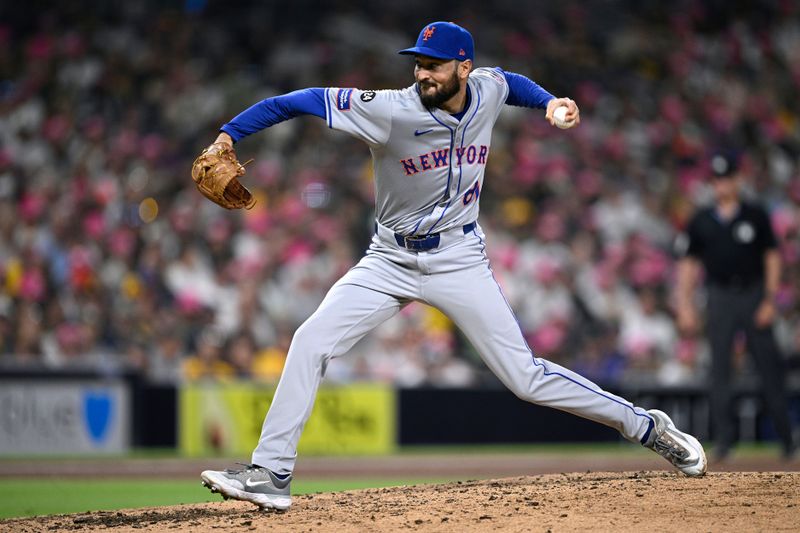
[724, 164]
[443, 40]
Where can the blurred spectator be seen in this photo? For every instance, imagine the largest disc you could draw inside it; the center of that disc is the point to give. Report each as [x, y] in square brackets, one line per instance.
[268, 363]
[600, 359]
[208, 363]
[166, 359]
[241, 350]
[647, 335]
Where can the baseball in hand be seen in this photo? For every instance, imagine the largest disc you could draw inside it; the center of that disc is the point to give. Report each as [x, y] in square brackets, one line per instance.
[560, 118]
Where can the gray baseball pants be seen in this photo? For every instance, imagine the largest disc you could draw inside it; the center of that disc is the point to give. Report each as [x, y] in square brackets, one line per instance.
[456, 279]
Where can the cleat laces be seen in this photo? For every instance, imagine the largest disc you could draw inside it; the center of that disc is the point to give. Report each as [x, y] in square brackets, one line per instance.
[670, 449]
[247, 468]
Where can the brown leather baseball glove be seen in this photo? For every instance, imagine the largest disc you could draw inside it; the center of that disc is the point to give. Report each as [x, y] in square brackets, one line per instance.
[216, 172]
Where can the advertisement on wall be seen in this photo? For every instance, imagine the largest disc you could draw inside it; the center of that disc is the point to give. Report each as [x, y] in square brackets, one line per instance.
[66, 417]
[227, 418]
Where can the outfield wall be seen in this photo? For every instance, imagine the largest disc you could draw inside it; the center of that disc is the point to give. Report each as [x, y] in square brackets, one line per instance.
[85, 413]
[81, 416]
[226, 418]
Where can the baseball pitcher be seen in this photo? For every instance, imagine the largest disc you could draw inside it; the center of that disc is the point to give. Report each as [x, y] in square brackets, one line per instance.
[429, 144]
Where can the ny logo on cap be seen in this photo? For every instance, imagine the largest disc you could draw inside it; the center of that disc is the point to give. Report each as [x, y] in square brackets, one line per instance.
[428, 33]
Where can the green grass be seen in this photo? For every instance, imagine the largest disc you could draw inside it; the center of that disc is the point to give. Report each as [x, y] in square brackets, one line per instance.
[567, 448]
[26, 497]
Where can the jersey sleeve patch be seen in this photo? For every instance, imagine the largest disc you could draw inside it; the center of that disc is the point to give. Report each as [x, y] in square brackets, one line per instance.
[343, 99]
[497, 76]
[494, 74]
[366, 115]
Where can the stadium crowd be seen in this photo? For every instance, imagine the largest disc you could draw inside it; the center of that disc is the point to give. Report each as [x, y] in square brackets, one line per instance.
[110, 258]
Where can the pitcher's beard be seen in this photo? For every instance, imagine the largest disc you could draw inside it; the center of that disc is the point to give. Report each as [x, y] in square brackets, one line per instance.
[449, 89]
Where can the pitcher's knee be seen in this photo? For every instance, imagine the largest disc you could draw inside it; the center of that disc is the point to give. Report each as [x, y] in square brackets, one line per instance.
[311, 342]
[524, 382]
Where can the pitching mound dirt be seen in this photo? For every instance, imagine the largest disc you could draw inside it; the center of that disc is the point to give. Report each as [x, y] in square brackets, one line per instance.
[627, 501]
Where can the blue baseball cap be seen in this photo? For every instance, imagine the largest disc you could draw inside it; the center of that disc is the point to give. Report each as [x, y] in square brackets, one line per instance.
[443, 40]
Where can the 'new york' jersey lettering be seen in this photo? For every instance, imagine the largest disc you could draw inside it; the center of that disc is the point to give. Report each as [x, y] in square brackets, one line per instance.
[426, 162]
[470, 155]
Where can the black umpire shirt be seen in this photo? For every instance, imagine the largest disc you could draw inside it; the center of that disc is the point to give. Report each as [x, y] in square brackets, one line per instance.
[732, 251]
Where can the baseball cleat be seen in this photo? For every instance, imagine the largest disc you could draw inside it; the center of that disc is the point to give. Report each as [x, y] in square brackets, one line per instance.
[681, 449]
[252, 484]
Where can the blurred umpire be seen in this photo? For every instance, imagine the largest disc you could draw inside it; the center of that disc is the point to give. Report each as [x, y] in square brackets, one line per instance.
[734, 242]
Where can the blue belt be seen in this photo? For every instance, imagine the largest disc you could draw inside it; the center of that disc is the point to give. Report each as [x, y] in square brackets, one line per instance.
[426, 242]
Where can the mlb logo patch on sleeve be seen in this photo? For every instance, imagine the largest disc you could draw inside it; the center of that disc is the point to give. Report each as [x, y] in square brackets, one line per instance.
[497, 77]
[343, 99]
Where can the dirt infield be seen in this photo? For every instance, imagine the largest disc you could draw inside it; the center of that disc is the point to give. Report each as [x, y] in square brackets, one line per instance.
[621, 501]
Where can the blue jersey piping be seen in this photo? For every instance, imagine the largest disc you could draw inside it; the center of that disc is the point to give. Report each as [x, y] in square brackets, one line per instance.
[449, 169]
[540, 362]
[460, 167]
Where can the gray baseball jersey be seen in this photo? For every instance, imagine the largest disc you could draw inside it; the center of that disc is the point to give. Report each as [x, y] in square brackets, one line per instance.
[429, 171]
[428, 165]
